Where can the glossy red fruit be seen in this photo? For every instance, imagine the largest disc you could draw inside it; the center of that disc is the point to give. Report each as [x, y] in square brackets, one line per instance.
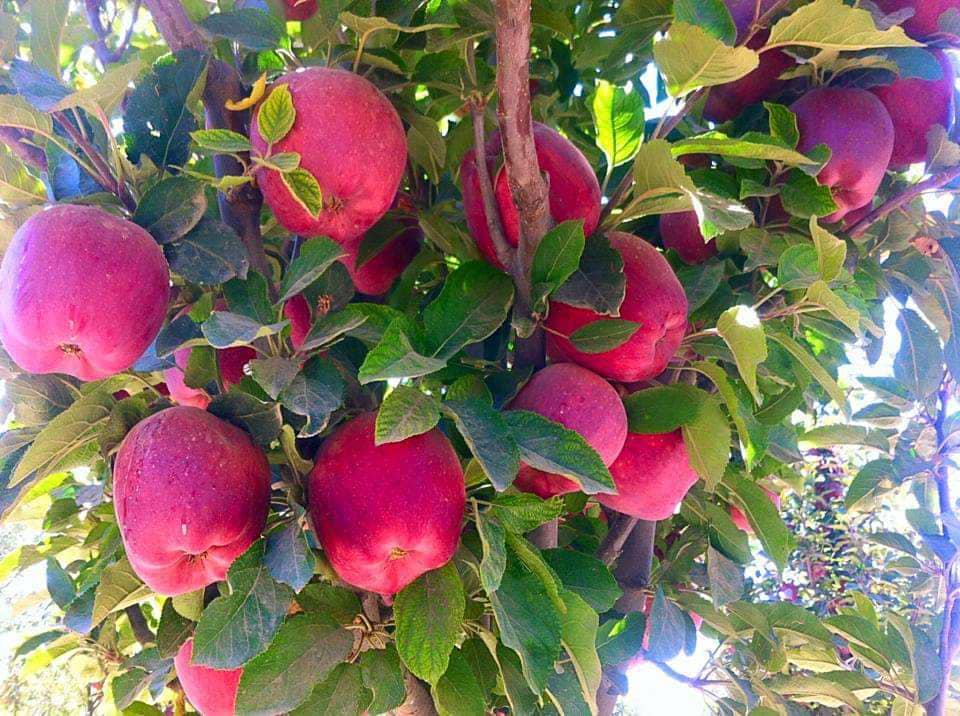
[297, 311]
[350, 138]
[654, 299]
[386, 514]
[916, 105]
[377, 275]
[177, 386]
[652, 475]
[574, 189]
[212, 692]
[925, 22]
[82, 292]
[681, 232]
[740, 519]
[299, 9]
[581, 401]
[191, 493]
[857, 128]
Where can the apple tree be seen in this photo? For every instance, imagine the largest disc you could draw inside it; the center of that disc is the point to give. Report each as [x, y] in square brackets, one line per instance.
[453, 357]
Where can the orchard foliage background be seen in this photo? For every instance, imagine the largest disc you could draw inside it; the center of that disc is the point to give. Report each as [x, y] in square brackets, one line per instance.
[144, 109]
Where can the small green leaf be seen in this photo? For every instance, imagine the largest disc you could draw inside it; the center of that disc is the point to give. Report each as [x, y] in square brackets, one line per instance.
[812, 366]
[493, 541]
[316, 256]
[228, 330]
[305, 189]
[383, 675]
[248, 27]
[315, 393]
[831, 251]
[119, 587]
[661, 409]
[707, 439]
[282, 162]
[712, 15]
[174, 629]
[288, 556]
[171, 208]
[604, 334]
[743, 332]
[221, 140]
[619, 118]
[400, 353]
[405, 412]
[457, 693]
[585, 575]
[557, 257]
[690, 58]
[667, 629]
[764, 517]
[277, 114]
[487, 434]
[726, 578]
[262, 420]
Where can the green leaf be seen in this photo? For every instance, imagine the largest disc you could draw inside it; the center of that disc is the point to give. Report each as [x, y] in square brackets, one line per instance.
[248, 27]
[18, 187]
[812, 366]
[831, 251]
[171, 208]
[399, 354]
[303, 186]
[315, 393]
[284, 162]
[47, 20]
[818, 690]
[457, 692]
[579, 626]
[764, 517]
[660, 182]
[748, 427]
[822, 295]
[620, 639]
[262, 420]
[522, 512]
[529, 622]
[604, 334]
[189, 605]
[741, 329]
[68, 440]
[690, 58]
[338, 603]
[783, 124]
[119, 587]
[305, 650]
[425, 144]
[751, 146]
[250, 298]
[277, 114]
[919, 363]
[228, 330]
[802, 196]
[60, 586]
[383, 675]
[557, 257]
[221, 140]
[831, 25]
[667, 629]
[487, 434]
[288, 557]
[619, 119]
[586, 576]
[405, 412]
[924, 659]
[598, 283]
[210, 253]
[334, 326]
[873, 480]
[473, 303]
[429, 613]
[493, 542]
[707, 439]
[316, 256]
[341, 693]
[712, 15]
[273, 374]
[798, 267]
[238, 626]
[548, 446]
[726, 578]
[173, 630]
[661, 409]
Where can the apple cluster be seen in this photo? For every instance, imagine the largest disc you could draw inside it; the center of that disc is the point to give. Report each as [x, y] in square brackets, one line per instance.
[192, 492]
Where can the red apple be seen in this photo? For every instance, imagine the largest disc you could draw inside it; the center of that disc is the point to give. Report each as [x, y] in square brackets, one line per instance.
[652, 475]
[386, 514]
[857, 128]
[82, 292]
[376, 276]
[212, 692]
[191, 493]
[654, 299]
[681, 232]
[351, 139]
[176, 384]
[574, 189]
[299, 9]
[297, 311]
[915, 105]
[925, 22]
[581, 401]
[740, 519]
[724, 102]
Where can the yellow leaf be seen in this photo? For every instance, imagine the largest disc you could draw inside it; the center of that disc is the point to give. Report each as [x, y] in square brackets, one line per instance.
[259, 87]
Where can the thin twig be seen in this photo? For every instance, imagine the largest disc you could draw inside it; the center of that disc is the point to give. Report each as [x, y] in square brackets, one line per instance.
[892, 204]
[104, 53]
[139, 625]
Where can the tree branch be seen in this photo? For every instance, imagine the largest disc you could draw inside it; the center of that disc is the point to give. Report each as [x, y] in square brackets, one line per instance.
[905, 197]
[636, 559]
[620, 528]
[139, 625]
[104, 53]
[240, 208]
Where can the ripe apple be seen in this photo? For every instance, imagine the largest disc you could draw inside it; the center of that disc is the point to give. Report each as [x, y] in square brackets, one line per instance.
[376, 276]
[652, 475]
[191, 493]
[581, 401]
[654, 299]
[82, 292]
[915, 105]
[681, 232]
[574, 189]
[925, 22]
[351, 139]
[740, 519]
[857, 128]
[212, 692]
[299, 9]
[385, 514]
[724, 102]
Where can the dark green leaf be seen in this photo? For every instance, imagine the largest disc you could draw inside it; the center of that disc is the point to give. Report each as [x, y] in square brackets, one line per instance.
[399, 354]
[557, 257]
[341, 693]
[210, 253]
[261, 420]
[288, 557]
[250, 298]
[405, 412]
[726, 578]
[383, 675]
[171, 207]
[598, 283]
[494, 560]
[315, 393]
[661, 409]
[603, 335]
[667, 629]
[174, 629]
[315, 257]
[248, 27]
[60, 586]
[273, 374]
[487, 434]
[620, 639]
[340, 604]
[228, 330]
[764, 517]
[521, 513]
[585, 575]
[457, 692]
